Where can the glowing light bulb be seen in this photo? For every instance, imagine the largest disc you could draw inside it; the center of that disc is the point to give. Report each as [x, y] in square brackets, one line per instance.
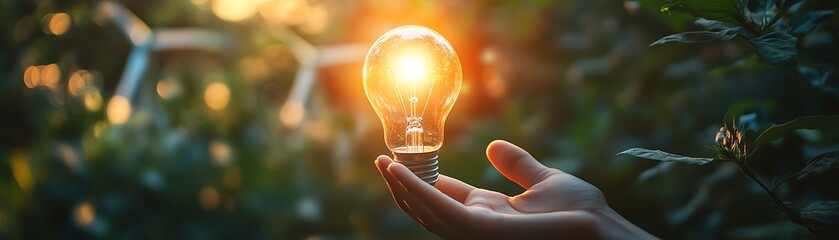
[412, 77]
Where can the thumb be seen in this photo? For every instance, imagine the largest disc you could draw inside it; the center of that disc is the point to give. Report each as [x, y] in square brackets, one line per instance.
[516, 164]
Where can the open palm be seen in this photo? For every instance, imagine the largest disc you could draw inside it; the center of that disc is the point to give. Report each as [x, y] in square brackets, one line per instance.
[554, 204]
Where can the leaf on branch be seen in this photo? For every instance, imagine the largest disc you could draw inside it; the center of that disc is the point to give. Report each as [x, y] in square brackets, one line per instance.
[772, 132]
[664, 156]
[820, 164]
[713, 24]
[823, 211]
[700, 36]
[807, 22]
[777, 48]
[720, 10]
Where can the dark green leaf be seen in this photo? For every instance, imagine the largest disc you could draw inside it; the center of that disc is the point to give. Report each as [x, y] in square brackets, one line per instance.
[820, 164]
[760, 11]
[773, 132]
[664, 156]
[720, 10]
[759, 6]
[807, 22]
[700, 36]
[824, 211]
[777, 48]
[713, 24]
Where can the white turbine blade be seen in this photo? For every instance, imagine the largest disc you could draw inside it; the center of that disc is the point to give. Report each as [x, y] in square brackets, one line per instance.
[135, 29]
[191, 39]
[340, 54]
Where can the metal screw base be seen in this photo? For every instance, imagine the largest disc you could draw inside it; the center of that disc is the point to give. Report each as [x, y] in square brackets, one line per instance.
[424, 165]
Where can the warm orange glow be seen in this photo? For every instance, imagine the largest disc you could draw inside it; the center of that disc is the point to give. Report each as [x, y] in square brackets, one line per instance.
[119, 109]
[22, 171]
[84, 214]
[50, 75]
[92, 100]
[288, 12]
[59, 23]
[217, 96]
[78, 82]
[411, 67]
[495, 85]
[234, 10]
[32, 76]
[316, 19]
[208, 198]
[291, 114]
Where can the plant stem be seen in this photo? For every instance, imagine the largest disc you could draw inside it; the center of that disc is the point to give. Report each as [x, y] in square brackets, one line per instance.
[775, 19]
[793, 216]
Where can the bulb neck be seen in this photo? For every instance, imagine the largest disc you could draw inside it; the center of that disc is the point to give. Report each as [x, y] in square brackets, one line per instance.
[424, 165]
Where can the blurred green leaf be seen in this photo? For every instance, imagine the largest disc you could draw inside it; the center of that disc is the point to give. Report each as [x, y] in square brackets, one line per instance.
[807, 22]
[818, 77]
[822, 211]
[820, 164]
[772, 132]
[700, 36]
[664, 156]
[776, 48]
[749, 63]
[676, 21]
[720, 10]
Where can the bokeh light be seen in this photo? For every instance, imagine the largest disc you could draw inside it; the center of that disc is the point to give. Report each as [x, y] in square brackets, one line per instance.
[50, 74]
[163, 89]
[92, 100]
[59, 23]
[84, 214]
[235, 10]
[217, 96]
[221, 152]
[119, 110]
[209, 198]
[32, 76]
[21, 170]
[78, 82]
[291, 114]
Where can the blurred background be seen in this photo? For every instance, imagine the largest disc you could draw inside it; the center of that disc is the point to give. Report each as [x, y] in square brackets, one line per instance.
[197, 119]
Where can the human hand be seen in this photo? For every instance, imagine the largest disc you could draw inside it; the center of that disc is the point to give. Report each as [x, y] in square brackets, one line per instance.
[554, 205]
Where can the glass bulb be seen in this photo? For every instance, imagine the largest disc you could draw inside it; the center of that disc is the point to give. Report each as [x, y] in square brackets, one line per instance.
[412, 77]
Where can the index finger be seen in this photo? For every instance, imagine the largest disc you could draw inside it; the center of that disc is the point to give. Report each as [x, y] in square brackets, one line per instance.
[454, 188]
[441, 204]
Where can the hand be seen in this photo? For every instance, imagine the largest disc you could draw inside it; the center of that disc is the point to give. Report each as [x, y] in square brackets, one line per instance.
[554, 205]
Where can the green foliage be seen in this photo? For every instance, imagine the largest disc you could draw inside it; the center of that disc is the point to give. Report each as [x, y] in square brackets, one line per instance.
[720, 10]
[664, 156]
[807, 22]
[759, 22]
[821, 163]
[822, 211]
[700, 36]
[777, 48]
[773, 132]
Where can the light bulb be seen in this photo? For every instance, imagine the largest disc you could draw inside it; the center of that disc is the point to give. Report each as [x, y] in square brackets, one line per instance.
[412, 77]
